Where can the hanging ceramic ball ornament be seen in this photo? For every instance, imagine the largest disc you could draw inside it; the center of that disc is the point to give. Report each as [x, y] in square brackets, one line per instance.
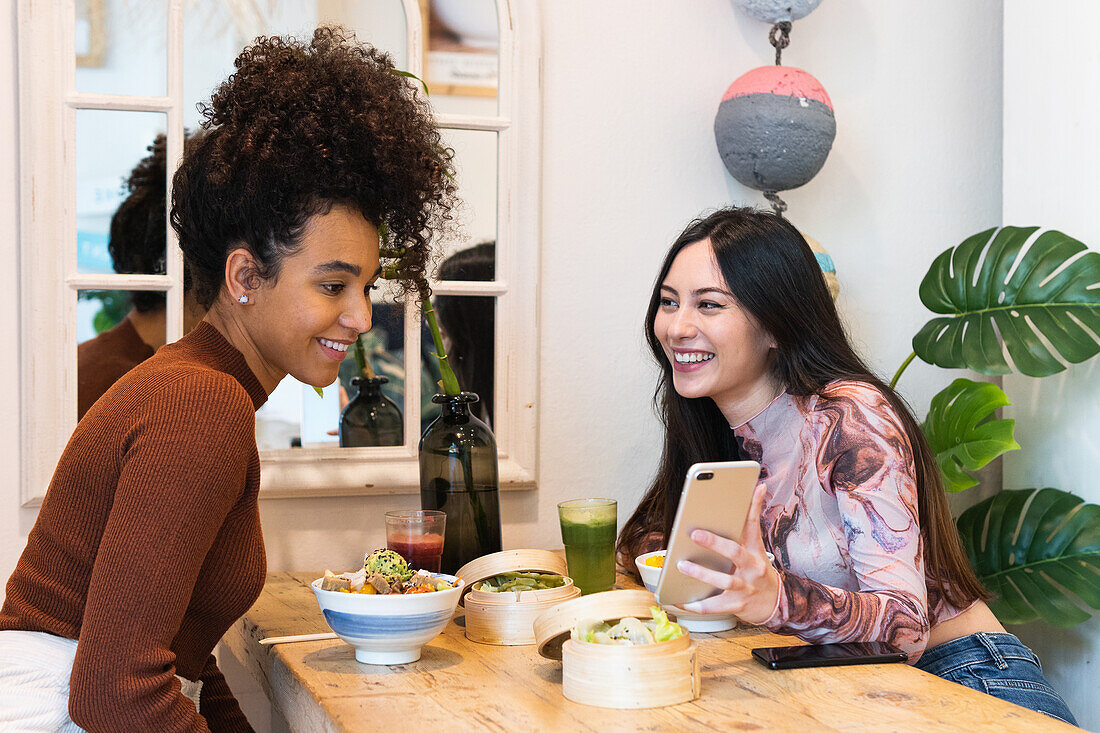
[777, 11]
[774, 128]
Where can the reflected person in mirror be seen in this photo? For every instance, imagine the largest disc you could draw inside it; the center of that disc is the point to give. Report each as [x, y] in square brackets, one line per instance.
[148, 545]
[756, 364]
[137, 244]
[466, 325]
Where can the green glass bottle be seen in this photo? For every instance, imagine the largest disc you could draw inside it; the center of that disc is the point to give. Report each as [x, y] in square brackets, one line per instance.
[371, 418]
[458, 475]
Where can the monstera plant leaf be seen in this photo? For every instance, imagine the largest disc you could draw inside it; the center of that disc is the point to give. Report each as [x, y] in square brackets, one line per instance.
[1037, 551]
[962, 433]
[1041, 302]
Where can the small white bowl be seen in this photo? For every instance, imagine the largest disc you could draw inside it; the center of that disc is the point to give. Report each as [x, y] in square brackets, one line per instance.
[698, 622]
[388, 629]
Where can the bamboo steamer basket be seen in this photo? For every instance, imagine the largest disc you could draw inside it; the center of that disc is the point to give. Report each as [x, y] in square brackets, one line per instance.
[507, 619]
[610, 676]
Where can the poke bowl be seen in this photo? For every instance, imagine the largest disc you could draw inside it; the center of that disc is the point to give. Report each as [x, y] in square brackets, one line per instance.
[388, 629]
[697, 622]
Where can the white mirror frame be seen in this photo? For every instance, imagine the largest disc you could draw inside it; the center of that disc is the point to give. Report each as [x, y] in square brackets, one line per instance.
[49, 281]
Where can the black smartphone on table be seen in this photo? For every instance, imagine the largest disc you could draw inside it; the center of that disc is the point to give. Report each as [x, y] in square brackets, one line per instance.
[828, 655]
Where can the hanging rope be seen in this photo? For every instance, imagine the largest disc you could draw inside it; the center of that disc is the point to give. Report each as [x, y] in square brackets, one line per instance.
[778, 204]
[780, 38]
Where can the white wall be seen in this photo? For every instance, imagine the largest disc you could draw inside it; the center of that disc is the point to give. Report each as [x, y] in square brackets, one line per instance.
[1051, 155]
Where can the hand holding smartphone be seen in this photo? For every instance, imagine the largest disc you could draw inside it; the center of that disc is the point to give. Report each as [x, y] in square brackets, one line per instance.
[717, 497]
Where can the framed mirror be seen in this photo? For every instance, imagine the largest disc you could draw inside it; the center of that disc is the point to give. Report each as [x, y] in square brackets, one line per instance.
[95, 125]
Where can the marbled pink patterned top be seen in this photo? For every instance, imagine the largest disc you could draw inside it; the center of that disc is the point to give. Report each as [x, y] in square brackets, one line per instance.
[841, 518]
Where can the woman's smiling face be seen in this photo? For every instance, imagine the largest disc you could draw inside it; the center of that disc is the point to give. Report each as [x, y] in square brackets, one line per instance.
[715, 347]
[303, 320]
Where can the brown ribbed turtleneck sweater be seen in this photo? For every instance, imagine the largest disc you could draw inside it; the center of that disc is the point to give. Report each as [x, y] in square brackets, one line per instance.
[102, 360]
[148, 546]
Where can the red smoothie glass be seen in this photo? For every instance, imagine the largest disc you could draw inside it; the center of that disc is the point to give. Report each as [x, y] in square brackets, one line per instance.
[417, 536]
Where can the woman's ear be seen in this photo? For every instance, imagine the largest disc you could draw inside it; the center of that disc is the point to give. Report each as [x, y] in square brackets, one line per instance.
[241, 275]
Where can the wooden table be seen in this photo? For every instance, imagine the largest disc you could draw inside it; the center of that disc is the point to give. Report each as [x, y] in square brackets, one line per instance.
[318, 685]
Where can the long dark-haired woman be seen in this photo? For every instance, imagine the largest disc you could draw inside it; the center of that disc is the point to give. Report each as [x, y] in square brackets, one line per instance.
[755, 363]
[148, 544]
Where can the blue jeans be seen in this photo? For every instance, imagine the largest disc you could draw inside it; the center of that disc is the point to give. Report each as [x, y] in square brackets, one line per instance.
[1000, 665]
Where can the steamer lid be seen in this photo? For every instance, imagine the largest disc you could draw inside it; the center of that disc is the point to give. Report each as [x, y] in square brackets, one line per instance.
[552, 626]
[510, 561]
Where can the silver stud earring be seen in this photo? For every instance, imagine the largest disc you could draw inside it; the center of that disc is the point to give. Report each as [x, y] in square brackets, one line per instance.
[243, 299]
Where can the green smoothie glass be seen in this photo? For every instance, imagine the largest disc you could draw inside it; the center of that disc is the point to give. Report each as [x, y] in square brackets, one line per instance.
[588, 533]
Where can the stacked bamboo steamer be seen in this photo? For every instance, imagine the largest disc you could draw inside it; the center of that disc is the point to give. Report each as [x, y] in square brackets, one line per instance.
[611, 676]
[507, 618]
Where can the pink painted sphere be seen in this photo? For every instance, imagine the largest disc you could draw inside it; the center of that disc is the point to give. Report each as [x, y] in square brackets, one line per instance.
[774, 128]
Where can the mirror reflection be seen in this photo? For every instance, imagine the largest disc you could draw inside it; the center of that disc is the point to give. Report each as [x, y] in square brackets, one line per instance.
[461, 68]
[462, 51]
[475, 170]
[369, 413]
[295, 416]
[117, 330]
[380, 23]
[113, 163]
[117, 35]
[466, 323]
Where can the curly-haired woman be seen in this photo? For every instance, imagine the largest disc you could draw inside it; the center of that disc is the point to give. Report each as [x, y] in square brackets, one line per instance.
[148, 544]
[755, 362]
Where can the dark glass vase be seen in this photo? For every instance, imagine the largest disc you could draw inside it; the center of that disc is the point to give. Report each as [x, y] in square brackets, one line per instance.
[458, 475]
[371, 418]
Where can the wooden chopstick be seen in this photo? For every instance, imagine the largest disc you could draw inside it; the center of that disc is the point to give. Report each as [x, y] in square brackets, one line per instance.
[268, 641]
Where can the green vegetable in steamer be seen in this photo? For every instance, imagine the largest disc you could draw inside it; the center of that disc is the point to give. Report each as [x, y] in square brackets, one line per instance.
[519, 581]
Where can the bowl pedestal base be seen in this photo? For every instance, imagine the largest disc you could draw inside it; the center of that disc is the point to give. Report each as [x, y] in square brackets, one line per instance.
[365, 656]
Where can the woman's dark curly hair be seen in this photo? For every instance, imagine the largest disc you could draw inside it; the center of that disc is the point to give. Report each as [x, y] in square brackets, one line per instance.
[299, 128]
[138, 234]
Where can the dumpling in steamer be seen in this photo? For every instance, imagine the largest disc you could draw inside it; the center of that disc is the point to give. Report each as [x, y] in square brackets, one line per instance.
[590, 630]
[632, 631]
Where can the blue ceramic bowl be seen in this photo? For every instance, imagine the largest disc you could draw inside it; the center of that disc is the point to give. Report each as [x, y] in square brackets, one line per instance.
[388, 629]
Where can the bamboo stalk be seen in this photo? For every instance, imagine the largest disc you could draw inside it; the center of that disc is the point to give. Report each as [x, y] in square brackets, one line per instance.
[449, 381]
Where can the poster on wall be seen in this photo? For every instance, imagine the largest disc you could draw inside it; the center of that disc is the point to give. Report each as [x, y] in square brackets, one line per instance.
[461, 55]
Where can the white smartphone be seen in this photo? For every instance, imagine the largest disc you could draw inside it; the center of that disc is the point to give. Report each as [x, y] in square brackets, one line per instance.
[716, 497]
